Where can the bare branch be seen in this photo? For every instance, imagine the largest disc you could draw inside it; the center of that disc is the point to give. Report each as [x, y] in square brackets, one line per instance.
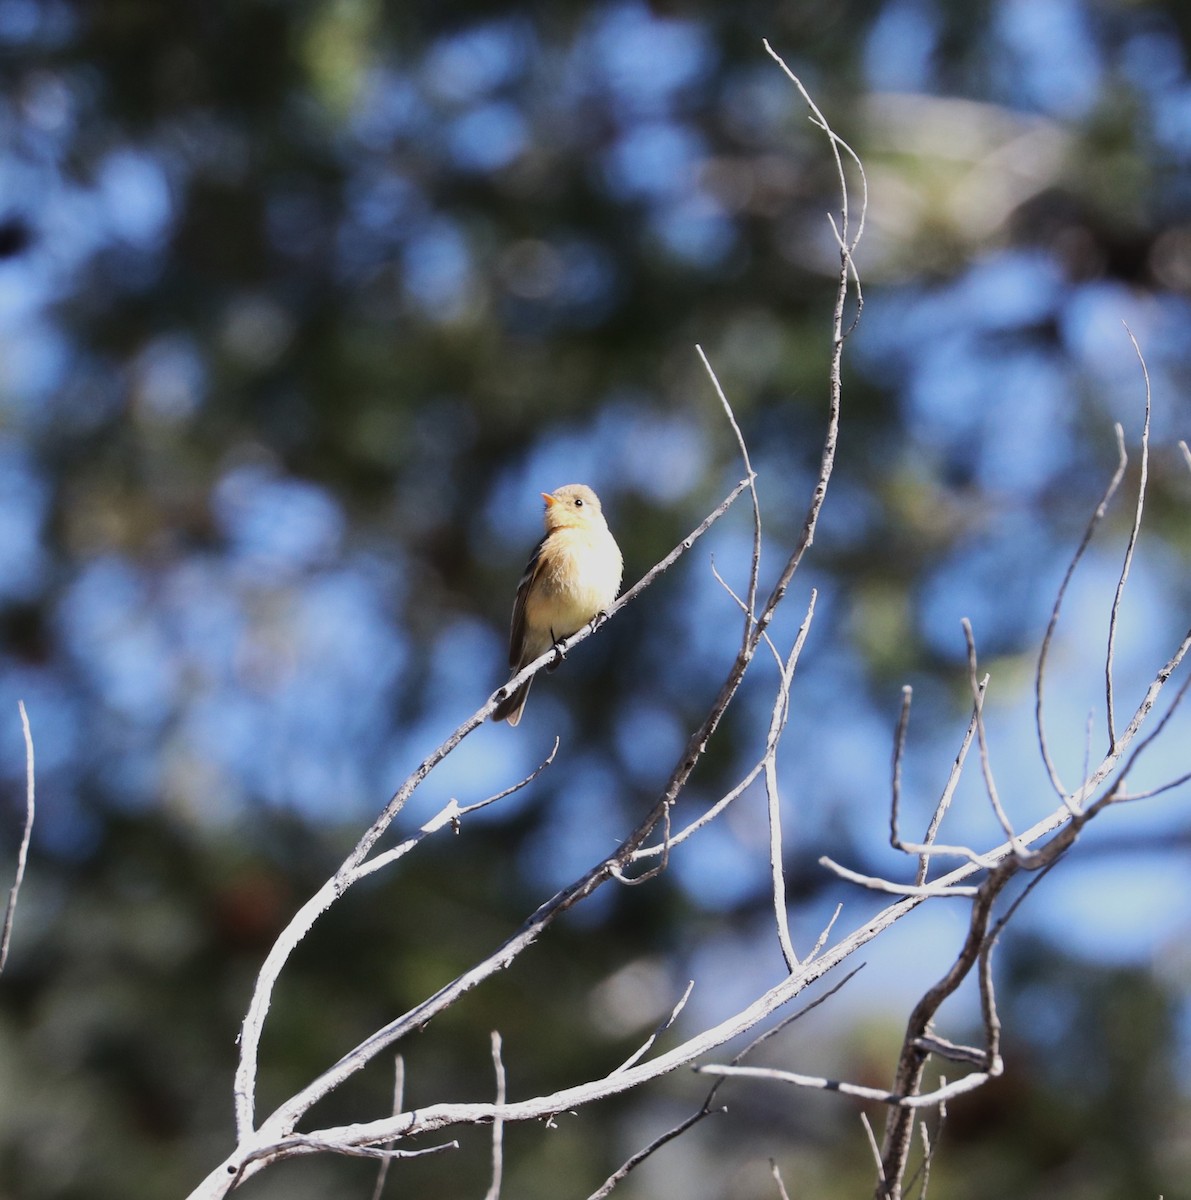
[872, 1145]
[837, 143]
[302, 921]
[877, 884]
[750, 607]
[498, 1125]
[821, 941]
[645, 1152]
[705, 819]
[979, 687]
[707, 1108]
[640, 1052]
[26, 836]
[932, 1043]
[398, 1094]
[1141, 713]
[1129, 548]
[1060, 595]
[928, 848]
[781, 708]
[785, 1022]
[777, 1178]
[929, 1148]
[899, 749]
[744, 608]
[300, 1144]
[1149, 793]
[968, 1083]
[452, 814]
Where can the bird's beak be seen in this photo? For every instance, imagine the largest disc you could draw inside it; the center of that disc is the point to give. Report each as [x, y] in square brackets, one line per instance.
[550, 501]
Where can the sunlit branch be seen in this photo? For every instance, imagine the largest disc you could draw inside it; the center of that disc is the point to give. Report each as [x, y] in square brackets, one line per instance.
[777, 724]
[308, 914]
[498, 1125]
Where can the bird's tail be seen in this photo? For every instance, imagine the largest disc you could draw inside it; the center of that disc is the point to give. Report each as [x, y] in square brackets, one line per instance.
[510, 708]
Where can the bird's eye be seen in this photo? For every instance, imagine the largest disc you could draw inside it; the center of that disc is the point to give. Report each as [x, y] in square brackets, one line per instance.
[578, 502]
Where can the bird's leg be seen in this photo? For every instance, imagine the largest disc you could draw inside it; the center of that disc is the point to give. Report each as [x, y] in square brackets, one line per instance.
[559, 653]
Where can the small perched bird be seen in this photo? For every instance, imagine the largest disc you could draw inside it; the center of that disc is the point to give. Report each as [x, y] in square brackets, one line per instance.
[572, 575]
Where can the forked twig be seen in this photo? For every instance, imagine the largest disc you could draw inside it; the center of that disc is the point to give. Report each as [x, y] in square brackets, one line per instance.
[353, 868]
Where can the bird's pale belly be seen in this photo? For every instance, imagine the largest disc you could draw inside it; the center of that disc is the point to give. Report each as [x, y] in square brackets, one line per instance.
[569, 597]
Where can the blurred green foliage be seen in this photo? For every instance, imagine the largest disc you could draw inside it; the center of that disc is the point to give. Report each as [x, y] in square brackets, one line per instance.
[302, 304]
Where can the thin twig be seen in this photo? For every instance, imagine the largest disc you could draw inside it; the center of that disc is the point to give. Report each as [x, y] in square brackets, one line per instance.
[617, 869]
[382, 1173]
[877, 884]
[665, 1024]
[777, 723]
[929, 1148]
[1150, 793]
[777, 1178]
[1123, 578]
[821, 941]
[899, 750]
[452, 814]
[979, 687]
[787, 1021]
[630, 1164]
[708, 1106]
[303, 920]
[258, 1145]
[26, 836]
[1060, 595]
[750, 607]
[704, 819]
[932, 1043]
[928, 847]
[498, 1125]
[872, 1145]
[744, 608]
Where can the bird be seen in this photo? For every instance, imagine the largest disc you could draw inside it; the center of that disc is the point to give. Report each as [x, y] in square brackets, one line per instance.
[572, 576]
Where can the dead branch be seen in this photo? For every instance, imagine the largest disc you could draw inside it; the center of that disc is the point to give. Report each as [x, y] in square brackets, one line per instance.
[26, 836]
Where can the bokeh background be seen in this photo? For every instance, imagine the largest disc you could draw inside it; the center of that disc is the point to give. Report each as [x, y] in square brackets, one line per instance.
[301, 305]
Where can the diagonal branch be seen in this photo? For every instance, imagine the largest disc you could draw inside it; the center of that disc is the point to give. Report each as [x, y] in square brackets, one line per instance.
[349, 871]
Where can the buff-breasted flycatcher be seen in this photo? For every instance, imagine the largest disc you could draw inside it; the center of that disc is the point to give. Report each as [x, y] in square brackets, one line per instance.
[572, 576]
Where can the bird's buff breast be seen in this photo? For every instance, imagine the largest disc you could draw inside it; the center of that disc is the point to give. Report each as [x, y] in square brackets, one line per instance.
[581, 578]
